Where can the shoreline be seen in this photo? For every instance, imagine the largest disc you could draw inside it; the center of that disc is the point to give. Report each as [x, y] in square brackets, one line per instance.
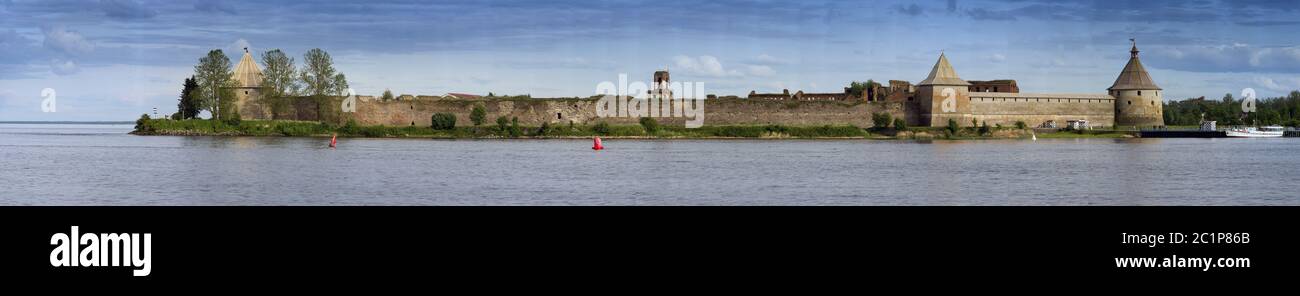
[280, 128]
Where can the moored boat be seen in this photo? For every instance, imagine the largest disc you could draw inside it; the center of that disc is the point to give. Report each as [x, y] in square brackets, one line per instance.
[1272, 131]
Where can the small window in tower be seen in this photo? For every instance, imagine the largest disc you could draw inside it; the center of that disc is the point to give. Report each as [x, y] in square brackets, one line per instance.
[1139, 92]
[559, 116]
[1153, 103]
[1130, 102]
[245, 92]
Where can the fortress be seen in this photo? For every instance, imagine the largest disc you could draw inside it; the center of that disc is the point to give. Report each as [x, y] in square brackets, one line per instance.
[1133, 100]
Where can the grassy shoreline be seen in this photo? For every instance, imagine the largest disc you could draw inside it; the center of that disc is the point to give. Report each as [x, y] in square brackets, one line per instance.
[280, 128]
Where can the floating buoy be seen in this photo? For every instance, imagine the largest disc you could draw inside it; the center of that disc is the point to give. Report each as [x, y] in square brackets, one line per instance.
[334, 141]
[596, 144]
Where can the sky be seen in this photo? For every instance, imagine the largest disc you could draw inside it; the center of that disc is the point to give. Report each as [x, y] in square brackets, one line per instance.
[117, 59]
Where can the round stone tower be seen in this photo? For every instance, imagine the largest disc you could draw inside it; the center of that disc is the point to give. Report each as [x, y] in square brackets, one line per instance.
[1138, 101]
[248, 89]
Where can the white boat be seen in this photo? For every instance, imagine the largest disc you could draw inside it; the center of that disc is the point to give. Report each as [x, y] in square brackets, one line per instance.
[1271, 131]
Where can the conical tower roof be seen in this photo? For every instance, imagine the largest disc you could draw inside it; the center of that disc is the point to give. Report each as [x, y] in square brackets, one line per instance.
[247, 73]
[1134, 76]
[943, 74]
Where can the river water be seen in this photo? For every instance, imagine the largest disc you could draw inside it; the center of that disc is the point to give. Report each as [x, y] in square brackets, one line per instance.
[97, 164]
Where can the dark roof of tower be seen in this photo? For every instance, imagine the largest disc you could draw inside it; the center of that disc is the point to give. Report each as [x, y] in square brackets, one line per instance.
[1134, 75]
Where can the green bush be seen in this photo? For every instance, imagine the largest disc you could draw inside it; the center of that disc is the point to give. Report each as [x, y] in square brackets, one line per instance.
[952, 127]
[478, 115]
[515, 132]
[503, 124]
[984, 129]
[650, 125]
[881, 120]
[1021, 125]
[233, 118]
[544, 129]
[350, 128]
[443, 121]
[601, 128]
[374, 131]
[142, 124]
[739, 131]
[777, 128]
[828, 131]
[900, 124]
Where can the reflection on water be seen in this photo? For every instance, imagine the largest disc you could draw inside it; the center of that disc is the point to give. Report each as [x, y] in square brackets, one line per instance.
[101, 165]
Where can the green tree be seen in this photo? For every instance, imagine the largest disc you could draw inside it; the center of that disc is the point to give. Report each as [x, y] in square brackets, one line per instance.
[478, 115]
[900, 124]
[188, 105]
[279, 80]
[214, 75]
[1021, 125]
[952, 127]
[388, 95]
[319, 78]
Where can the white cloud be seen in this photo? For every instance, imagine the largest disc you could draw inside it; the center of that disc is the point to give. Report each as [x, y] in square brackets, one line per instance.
[770, 60]
[237, 48]
[63, 67]
[1281, 85]
[703, 65]
[71, 43]
[760, 70]
[997, 57]
[1235, 57]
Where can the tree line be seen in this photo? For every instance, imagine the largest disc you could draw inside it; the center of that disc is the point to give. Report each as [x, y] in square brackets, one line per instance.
[211, 88]
[1228, 111]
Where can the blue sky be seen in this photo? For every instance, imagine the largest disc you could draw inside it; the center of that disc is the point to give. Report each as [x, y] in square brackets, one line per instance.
[116, 59]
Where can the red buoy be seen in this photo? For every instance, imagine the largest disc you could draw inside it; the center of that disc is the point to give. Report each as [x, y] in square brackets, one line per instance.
[334, 141]
[596, 144]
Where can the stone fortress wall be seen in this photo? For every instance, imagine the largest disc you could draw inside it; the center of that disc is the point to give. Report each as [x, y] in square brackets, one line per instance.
[932, 102]
[533, 112]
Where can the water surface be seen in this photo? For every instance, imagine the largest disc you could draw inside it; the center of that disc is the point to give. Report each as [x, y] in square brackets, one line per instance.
[63, 164]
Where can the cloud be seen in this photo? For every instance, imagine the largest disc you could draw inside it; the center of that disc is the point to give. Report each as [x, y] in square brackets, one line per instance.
[765, 59]
[760, 70]
[990, 15]
[1281, 85]
[997, 58]
[912, 9]
[126, 9]
[63, 67]
[703, 65]
[237, 47]
[215, 6]
[1236, 57]
[71, 43]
